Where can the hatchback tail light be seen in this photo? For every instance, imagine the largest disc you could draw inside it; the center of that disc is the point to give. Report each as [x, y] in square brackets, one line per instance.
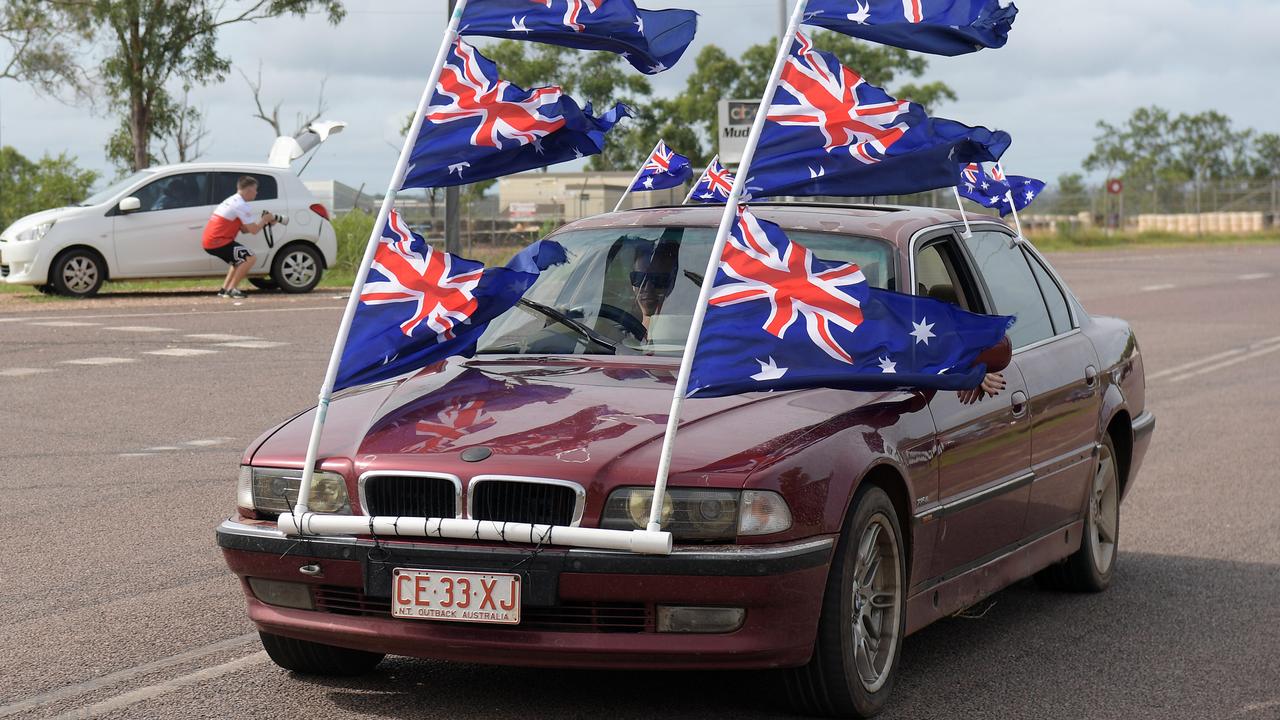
[320, 210]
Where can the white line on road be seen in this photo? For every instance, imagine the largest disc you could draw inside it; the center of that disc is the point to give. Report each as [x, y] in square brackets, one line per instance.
[12, 319]
[220, 337]
[1254, 276]
[191, 313]
[207, 443]
[64, 323]
[23, 372]
[99, 361]
[1154, 288]
[180, 352]
[140, 329]
[116, 678]
[1228, 363]
[161, 448]
[253, 344]
[1211, 359]
[135, 454]
[152, 691]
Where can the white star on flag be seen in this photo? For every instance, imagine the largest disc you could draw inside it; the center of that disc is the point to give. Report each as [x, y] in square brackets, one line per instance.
[639, 24]
[1030, 196]
[648, 183]
[923, 330]
[657, 68]
[768, 371]
[985, 185]
[519, 26]
[888, 366]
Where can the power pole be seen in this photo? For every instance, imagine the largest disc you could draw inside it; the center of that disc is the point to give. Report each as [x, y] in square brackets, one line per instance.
[783, 19]
[452, 204]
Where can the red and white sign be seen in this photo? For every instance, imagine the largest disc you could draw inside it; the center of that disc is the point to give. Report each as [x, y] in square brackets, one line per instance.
[455, 596]
[1115, 186]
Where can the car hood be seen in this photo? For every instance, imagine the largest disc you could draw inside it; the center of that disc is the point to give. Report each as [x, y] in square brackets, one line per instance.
[579, 418]
[30, 221]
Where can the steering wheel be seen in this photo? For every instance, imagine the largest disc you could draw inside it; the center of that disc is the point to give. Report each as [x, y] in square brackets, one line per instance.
[623, 319]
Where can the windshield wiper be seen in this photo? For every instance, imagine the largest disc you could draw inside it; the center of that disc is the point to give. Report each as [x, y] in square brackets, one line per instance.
[579, 328]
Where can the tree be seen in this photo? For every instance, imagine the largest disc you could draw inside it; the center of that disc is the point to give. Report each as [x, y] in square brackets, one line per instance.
[43, 43]
[1071, 196]
[147, 45]
[1266, 160]
[273, 119]
[27, 187]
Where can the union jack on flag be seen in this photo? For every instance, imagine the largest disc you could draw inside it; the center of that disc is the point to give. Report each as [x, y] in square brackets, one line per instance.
[941, 27]
[715, 185]
[420, 304]
[780, 318]
[830, 132]
[479, 126]
[664, 169]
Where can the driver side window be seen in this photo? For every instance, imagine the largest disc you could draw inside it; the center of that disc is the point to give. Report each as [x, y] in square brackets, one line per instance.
[174, 192]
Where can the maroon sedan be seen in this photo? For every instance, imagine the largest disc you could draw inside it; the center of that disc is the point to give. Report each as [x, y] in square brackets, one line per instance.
[813, 529]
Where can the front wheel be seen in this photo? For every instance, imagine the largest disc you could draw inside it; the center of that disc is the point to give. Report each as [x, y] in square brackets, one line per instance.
[309, 658]
[78, 273]
[297, 269]
[855, 658]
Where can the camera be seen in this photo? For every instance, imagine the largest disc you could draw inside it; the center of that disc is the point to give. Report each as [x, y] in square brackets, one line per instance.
[280, 219]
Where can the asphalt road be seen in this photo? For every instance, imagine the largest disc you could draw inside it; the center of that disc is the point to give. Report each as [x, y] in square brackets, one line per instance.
[122, 422]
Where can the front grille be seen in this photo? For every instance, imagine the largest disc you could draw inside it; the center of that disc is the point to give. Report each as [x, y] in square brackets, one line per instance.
[4, 271]
[579, 617]
[409, 496]
[523, 502]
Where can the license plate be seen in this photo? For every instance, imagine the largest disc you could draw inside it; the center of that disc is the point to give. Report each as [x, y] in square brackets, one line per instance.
[455, 596]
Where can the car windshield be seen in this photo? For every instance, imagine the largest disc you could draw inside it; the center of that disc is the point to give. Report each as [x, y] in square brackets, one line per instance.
[632, 290]
[104, 195]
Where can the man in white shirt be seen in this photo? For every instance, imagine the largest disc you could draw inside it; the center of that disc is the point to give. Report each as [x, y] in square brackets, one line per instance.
[231, 218]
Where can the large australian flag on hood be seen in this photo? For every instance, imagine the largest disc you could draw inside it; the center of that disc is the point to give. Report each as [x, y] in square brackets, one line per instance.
[781, 319]
[940, 27]
[651, 40]
[830, 132]
[479, 126]
[420, 304]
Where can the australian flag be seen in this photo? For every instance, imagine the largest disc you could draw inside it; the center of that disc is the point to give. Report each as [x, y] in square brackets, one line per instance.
[1023, 190]
[781, 319]
[715, 184]
[829, 132]
[664, 169]
[480, 127]
[940, 27]
[651, 40]
[420, 304]
[992, 189]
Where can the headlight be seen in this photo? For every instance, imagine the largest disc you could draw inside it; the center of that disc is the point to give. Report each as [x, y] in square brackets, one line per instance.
[274, 490]
[699, 514]
[34, 233]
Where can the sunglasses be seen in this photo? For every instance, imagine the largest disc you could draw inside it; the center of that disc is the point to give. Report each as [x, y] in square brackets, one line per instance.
[658, 281]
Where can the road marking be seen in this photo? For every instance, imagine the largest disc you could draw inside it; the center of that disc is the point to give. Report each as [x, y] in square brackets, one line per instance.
[219, 337]
[1154, 288]
[99, 361]
[1254, 276]
[161, 448]
[115, 678]
[23, 372]
[140, 329]
[180, 352]
[13, 319]
[207, 443]
[135, 454]
[143, 694]
[194, 312]
[64, 323]
[253, 344]
[1212, 358]
[1228, 363]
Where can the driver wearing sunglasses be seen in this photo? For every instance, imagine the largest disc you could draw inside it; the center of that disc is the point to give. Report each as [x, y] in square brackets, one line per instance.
[653, 276]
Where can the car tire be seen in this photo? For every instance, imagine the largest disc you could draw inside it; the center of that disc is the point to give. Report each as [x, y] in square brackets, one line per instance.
[297, 268]
[854, 665]
[46, 290]
[77, 273]
[263, 283]
[309, 658]
[1091, 568]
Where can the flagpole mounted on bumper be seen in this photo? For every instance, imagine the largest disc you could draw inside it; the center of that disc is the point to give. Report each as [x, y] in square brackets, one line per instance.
[353, 302]
[713, 264]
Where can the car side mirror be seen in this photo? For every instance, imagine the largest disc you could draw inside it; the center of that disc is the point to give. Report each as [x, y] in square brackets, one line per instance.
[130, 204]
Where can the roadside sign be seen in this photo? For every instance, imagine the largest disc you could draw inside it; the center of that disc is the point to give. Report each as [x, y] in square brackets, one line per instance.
[1115, 186]
[736, 118]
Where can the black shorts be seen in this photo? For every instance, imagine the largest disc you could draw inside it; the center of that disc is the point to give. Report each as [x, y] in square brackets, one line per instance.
[233, 253]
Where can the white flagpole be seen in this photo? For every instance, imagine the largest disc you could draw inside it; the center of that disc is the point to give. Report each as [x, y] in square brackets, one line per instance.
[701, 177]
[353, 302]
[1017, 223]
[713, 263]
[636, 179]
[963, 216]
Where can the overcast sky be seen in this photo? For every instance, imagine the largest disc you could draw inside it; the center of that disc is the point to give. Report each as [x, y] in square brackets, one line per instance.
[1067, 65]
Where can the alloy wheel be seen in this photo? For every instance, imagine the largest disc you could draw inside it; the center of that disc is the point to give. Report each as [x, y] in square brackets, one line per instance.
[298, 269]
[1104, 512]
[877, 589]
[80, 274]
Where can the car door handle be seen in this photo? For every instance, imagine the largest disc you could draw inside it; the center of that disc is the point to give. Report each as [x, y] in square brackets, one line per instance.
[1091, 376]
[1019, 402]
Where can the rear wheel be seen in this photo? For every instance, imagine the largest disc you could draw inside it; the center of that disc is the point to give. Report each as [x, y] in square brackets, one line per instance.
[297, 269]
[855, 657]
[1090, 568]
[263, 283]
[302, 656]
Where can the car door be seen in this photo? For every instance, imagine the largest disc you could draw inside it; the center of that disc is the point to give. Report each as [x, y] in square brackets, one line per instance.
[983, 446]
[269, 199]
[162, 237]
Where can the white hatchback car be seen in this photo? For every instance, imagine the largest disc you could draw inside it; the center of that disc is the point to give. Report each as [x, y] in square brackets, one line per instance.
[149, 225]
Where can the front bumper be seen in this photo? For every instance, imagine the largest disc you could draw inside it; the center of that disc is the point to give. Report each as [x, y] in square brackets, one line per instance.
[582, 608]
[20, 263]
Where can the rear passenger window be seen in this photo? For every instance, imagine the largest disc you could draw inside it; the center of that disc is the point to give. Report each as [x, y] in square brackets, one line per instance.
[224, 186]
[1052, 296]
[938, 275]
[1013, 287]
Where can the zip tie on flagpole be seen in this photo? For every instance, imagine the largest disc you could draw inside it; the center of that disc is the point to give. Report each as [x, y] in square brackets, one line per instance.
[713, 264]
[353, 302]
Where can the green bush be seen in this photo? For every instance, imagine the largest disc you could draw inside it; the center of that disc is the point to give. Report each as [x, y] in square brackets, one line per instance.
[353, 230]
